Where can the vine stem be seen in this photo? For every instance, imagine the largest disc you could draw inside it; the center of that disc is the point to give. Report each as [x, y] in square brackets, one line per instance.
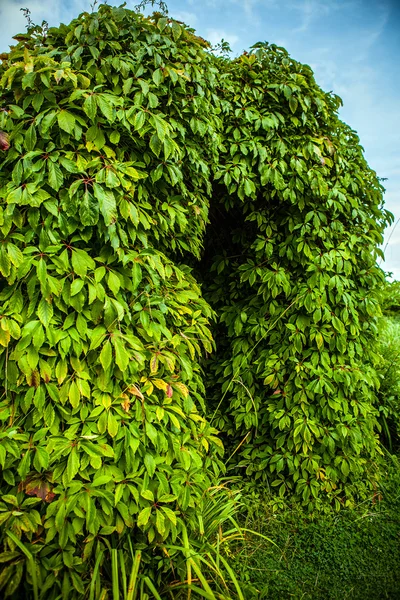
[246, 356]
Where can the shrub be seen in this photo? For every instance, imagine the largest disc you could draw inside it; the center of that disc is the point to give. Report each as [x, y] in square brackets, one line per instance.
[103, 427]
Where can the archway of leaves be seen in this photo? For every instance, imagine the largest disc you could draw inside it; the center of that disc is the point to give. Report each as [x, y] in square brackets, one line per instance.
[121, 129]
[290, 268]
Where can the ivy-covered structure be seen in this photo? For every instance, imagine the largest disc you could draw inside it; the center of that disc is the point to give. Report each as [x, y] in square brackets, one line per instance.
[294, 283]
[129, 152]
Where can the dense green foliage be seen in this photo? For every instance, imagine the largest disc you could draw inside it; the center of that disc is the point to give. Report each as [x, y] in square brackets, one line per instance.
[295, 284]
[125, 136]
[100, 332]
[388, 366]
[390, 299]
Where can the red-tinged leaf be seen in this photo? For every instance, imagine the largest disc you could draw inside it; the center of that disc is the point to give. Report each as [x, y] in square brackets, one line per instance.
[4, 143]
[33, 379]
[40, 489]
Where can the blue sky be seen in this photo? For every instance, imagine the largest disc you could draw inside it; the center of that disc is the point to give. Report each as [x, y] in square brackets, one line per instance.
[353, 47]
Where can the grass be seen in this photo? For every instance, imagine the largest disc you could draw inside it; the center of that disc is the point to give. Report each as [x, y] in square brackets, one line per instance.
[351, 555]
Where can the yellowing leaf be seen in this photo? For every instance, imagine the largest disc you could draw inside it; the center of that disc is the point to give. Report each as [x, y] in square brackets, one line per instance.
[74, 395]
[135, 391]
[4, 337]
[144, 516]
[154, 364]
[160, 384]
[182, 388]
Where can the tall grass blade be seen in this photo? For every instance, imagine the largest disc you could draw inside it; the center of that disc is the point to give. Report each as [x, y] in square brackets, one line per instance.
[95, 575]
[114, 574]
[152, 589]
[133, 577]
[123, 572]
[198, 591]
[232, 576]
[203, 580]
[31, 563]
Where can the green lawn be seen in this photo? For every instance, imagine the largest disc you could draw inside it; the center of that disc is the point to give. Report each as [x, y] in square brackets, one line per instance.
[352, 555]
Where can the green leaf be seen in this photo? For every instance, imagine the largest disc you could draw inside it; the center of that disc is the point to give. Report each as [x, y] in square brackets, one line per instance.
[121, 354]
[293, 104]
[90, 106]
[76, 286]
[113, 282]
[31, 138]
[95, 135]
[115, 137]
[15, 254]
[105, 107]
[157, 76]
[97, 336]
[150, 464]
[144, 516]
[88, 209]
[136, 275]
[5, 263]
[155, 144]
[101, 480]
[74, 395]
[66, 121]
[45, 312]
[139, 120]
[160, 522]
[112, 425]
[106, 356]
[73, 464]
[81, 262]
[107, 204]
[56, 178]
[176, 30]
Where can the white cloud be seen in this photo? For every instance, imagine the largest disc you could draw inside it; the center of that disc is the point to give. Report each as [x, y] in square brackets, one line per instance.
[189, 18]
[12, 20]
[216, 35]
